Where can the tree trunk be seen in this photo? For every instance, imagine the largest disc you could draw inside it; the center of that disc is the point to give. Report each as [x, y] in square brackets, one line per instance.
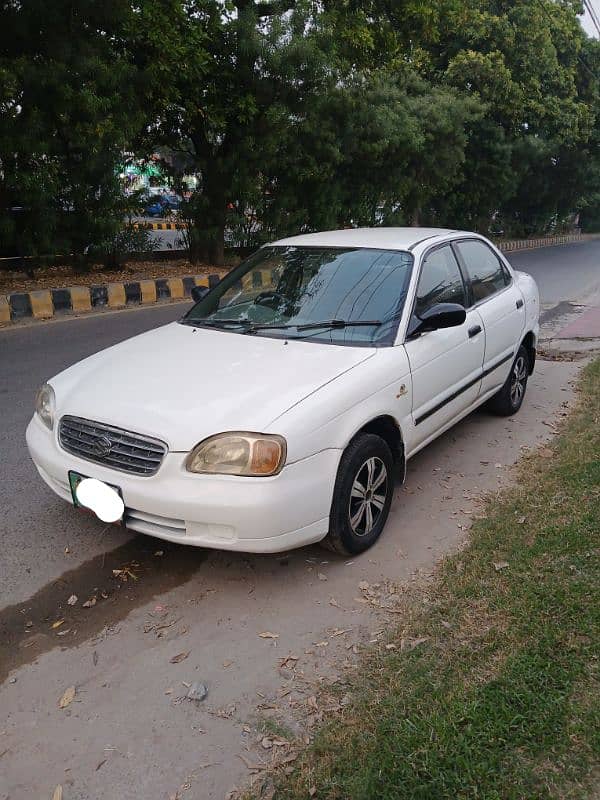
[212, 215]
[216, 255]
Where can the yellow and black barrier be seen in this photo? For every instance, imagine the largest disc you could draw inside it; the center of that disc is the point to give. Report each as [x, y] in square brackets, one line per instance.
[161, 226]
[48, 303]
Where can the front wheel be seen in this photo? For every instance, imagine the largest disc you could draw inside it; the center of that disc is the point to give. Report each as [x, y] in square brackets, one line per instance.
[362, 496]
[510, 397]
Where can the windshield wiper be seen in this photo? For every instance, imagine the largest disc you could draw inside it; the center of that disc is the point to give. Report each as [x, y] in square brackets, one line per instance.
[307, 326]
[251, 327]
[340, 323]
[216, 323]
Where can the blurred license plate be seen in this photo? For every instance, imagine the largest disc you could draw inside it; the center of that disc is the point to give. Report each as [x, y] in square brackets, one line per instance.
[75, 479]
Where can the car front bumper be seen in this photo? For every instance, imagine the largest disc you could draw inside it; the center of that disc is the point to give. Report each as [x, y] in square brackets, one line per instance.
[255, 515]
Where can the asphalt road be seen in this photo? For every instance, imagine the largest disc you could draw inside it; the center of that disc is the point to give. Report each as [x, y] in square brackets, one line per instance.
[31, 354]
[570, 272]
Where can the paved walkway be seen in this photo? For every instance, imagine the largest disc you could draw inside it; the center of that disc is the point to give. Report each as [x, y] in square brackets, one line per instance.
[585, 326]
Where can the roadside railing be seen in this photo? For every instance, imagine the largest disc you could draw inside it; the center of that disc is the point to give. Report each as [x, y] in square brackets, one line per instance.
[508, 245]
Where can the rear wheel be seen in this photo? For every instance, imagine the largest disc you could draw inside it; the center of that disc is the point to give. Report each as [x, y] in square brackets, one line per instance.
[362, 496]
[510, 397]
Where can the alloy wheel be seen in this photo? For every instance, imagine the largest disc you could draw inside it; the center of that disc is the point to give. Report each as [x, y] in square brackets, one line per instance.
[518, 381]
[368, 495]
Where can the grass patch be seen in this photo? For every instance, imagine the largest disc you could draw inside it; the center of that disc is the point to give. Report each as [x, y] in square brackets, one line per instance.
[501, 700]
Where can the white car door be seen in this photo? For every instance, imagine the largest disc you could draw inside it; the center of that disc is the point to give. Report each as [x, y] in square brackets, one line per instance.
[446, 363]
[500, 304]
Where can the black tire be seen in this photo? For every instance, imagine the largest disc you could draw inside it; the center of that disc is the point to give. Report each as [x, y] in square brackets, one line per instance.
[366, 463]
[510, 397]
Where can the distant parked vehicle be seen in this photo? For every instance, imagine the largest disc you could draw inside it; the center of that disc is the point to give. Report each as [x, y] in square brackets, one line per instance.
[163, 204]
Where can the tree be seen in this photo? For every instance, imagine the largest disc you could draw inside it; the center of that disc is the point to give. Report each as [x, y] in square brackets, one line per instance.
[521, 59]
[265, 63]
[375, 149]
[70, 104]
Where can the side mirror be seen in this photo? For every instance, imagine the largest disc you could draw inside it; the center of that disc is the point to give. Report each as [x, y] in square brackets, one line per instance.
[441, 315]
[198, 292]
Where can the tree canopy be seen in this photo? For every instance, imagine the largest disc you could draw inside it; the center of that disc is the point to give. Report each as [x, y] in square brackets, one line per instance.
[460, 113]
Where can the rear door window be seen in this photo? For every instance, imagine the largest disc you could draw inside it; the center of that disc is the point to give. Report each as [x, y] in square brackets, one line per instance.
[486, 272]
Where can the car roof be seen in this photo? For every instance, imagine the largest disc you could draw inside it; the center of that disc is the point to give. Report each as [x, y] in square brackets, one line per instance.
[387, 238]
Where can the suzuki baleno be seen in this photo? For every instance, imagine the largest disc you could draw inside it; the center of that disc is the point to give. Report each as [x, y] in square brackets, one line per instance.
[281, 408]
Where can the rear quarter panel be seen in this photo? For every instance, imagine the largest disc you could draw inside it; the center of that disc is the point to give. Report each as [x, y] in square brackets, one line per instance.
[528, 288]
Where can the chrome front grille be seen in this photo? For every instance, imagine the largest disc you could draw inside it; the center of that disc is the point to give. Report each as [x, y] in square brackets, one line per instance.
[111, 447]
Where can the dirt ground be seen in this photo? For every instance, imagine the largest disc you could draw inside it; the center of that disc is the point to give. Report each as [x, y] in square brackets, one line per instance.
[59, 277]
[264, 634]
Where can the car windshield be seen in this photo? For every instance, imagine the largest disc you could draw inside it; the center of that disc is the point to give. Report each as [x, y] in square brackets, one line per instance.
[351, 296]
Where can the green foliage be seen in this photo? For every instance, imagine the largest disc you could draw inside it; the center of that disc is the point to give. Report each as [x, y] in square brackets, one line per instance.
[296, 115]
[69, 108]
[129, 241]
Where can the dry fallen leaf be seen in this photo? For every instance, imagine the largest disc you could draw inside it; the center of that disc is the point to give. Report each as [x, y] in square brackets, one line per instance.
[90, 603]
[180, 657]
[72, 600]
[312, 791]
[410, 644]
[340, 631]
[499, 565]
[249, 764]
[321, 576]
[57, 793]
[67, 698]
[58, 623]
[268, 635]
[545, 452]
[333, 602]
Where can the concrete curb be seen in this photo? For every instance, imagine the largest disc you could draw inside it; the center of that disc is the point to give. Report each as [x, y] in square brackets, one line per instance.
[48, 303]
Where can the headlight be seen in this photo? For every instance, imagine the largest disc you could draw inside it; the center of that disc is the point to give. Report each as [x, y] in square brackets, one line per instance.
[44, 405]
[240, 453]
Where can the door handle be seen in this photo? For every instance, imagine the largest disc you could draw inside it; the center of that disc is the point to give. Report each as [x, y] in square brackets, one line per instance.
[519, 304]
[474, 331]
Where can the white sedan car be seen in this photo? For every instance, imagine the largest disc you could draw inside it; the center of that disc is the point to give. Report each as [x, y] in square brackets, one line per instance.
[279, 410]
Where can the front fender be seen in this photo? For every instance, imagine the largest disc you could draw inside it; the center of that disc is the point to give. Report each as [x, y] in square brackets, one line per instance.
[330, 417]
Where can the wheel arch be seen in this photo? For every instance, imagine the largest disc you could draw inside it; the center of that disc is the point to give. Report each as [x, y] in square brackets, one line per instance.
[386, 427]
[529, 344]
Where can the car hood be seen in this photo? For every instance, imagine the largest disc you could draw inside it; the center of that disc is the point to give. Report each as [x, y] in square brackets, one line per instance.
[181, 384]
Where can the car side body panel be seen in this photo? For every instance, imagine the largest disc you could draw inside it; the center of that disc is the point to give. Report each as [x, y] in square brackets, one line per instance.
[332, 415]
